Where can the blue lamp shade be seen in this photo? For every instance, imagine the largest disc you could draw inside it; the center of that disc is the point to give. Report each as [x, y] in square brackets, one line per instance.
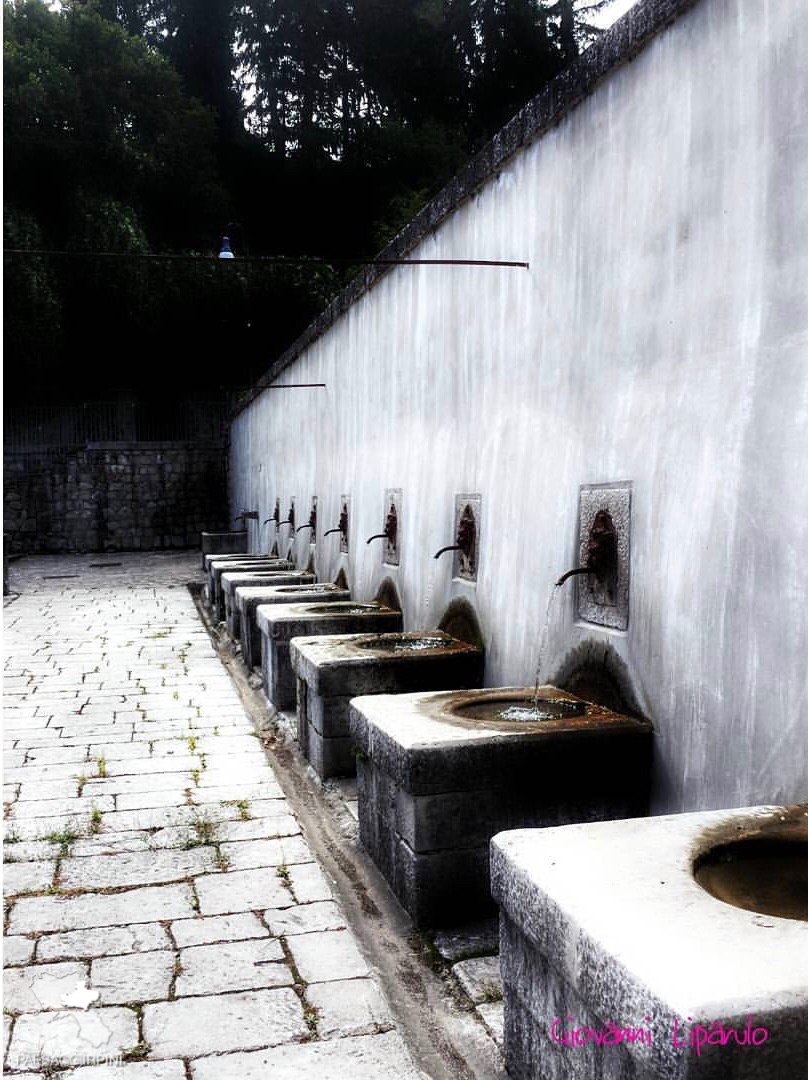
[225, 251]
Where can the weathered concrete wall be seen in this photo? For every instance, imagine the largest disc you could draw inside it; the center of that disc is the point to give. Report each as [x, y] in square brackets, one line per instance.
[660, 336]
[113, 496]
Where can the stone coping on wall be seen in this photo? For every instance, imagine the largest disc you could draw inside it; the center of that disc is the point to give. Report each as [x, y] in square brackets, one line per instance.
[616, 46]
[122, 444]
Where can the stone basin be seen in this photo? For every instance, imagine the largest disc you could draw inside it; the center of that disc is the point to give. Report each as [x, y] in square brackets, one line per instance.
[250, 598]
[278, 624]
[230, 580]
[439, 774]
[607, 922]
[766, 872]
[217, 567]
[223, 543]
[331, 670]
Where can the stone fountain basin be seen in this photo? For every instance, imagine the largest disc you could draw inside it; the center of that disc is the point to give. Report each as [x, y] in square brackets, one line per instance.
[448, 741]
[279, 623]
[762, 869]
[250, 598]
[351, 664]
[285, 621]
[607, 921]
[228, 556]
[438, 777]
[217, 567]
[223, 543]
[234, 579]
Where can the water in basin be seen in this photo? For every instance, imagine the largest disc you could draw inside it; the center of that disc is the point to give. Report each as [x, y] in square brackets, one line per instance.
[514, 711]
[306, 588]
[416, 643]
[766, 874]
[341, 609]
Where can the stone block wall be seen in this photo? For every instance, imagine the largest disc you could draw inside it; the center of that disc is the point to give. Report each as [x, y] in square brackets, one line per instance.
[117, 496]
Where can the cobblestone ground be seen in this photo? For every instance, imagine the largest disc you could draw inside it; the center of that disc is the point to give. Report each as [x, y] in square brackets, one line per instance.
[165, 917]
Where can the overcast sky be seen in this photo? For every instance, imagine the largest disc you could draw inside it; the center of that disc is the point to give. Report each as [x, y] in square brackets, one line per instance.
[612, 12]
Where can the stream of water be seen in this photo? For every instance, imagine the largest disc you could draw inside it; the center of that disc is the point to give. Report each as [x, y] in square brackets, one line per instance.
[429, 588]
[545, 630]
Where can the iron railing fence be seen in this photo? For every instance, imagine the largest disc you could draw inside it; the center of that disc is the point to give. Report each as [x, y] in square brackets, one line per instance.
[33, 427]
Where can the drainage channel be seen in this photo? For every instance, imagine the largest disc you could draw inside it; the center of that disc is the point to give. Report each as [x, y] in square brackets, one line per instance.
[442, 1033]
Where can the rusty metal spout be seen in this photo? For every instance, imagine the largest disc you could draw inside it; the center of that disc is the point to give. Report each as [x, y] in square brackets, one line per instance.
[572, 573]
[451, 547]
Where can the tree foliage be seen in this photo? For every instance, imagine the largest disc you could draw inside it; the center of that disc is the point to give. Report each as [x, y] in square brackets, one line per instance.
[303, 127]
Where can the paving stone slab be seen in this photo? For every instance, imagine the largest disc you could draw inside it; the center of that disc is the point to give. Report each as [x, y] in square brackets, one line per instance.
[348, 1007]
[249, 854]
[81, 807]
[149, 867]
[17, 950]
[366, 1057]
[480, 978]
[109, 941]
[53, 789]
[136, 977]
[258, 828]
[309, 883]
[41, 986]
[222, 1022]
[71, 1037]
[136, 1070]
[493, 1016]
[238, 965]
[216, 928]
[305, 918]
[30, 914]
[22, 877]
[240, 890]
[327, 955]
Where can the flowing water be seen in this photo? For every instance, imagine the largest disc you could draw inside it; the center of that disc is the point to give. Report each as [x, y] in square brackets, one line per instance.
[429, 588]
[543, 643]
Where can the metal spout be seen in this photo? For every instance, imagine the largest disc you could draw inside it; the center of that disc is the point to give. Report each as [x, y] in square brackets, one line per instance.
[329, 531]
[270, 519]
[378, 536]
[287, 522]
[572, 573]
[308, 525]
[451, 547]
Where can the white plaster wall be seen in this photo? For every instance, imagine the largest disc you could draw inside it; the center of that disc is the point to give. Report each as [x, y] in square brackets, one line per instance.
[660, 336]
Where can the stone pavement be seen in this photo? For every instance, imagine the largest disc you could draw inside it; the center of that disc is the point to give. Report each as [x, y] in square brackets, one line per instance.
[165, 917]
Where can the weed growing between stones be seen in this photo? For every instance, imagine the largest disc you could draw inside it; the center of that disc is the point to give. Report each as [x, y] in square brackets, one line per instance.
[65, 838]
